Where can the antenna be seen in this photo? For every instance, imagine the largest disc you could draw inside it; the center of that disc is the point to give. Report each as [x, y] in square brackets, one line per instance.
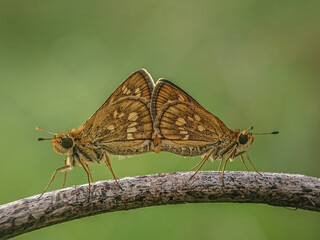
[274, 132]
[41, 130]
[42, 139]
[249, 129]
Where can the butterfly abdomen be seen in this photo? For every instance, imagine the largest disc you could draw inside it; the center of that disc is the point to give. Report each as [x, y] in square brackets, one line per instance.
[190, 150]
[129, 147]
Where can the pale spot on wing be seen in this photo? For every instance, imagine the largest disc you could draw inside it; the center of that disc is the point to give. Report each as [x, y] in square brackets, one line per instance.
[115, 114]
[132, 129]
[201, 128]
[129, 136]
[197, 117]
[184, 132]
[128, 92]
[137, 90]
[190, 118]
[133, 116]
[121, 115]
[111, 127]
[133, 124]
[180, 121]
[186, 137]
[181, 128]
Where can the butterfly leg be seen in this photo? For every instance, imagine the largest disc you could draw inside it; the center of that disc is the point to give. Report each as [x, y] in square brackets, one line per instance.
[220, 164]
[64, 168]
[64, 180]
[225, 163]
[87, 170]
[252, 164]
[65, 174]
[242, 160]
[196, 165]
[211, 152]
[110, 168]
[244, 163]
[202, 162]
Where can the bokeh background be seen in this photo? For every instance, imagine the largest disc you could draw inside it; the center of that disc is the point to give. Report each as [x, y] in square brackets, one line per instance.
[251, 63]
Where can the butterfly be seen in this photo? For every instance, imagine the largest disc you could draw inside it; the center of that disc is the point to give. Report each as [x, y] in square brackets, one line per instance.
[182, 126]
[121, 126]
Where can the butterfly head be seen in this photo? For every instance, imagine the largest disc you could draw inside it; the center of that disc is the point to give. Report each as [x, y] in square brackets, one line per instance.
[63, 144]
[245, 140]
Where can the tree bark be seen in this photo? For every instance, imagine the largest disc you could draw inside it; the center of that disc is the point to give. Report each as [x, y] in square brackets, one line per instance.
[277, 189]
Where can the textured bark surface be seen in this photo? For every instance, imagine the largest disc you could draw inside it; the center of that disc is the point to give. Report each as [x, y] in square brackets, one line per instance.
[287, 190]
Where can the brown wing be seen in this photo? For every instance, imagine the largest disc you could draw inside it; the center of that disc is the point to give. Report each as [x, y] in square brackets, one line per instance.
[125, 116]
[179, 118]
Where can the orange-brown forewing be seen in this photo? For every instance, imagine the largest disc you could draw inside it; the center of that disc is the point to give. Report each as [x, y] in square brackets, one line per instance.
[124, 121]
[181, 121]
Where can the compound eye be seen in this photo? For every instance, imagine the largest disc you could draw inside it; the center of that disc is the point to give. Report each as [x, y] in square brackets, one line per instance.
[243, 138]
[67, 142]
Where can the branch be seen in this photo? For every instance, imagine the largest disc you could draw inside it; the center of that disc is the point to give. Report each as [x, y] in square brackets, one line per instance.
[286, 190]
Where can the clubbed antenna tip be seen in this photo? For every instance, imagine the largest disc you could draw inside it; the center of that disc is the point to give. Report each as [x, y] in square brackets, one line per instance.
[41, 139]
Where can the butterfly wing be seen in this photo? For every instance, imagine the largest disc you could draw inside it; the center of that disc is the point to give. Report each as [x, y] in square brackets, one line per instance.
[181, 122]
[123, 124]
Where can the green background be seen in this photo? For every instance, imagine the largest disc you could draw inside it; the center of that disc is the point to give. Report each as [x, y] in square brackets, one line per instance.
[251, 63]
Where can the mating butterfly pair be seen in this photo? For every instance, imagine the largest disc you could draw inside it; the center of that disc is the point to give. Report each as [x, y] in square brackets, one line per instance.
[141, 117]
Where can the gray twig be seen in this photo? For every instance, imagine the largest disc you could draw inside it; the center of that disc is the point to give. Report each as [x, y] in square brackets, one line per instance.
[286, 190]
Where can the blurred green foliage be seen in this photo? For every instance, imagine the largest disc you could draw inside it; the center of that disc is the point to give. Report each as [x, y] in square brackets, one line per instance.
[248, 62]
